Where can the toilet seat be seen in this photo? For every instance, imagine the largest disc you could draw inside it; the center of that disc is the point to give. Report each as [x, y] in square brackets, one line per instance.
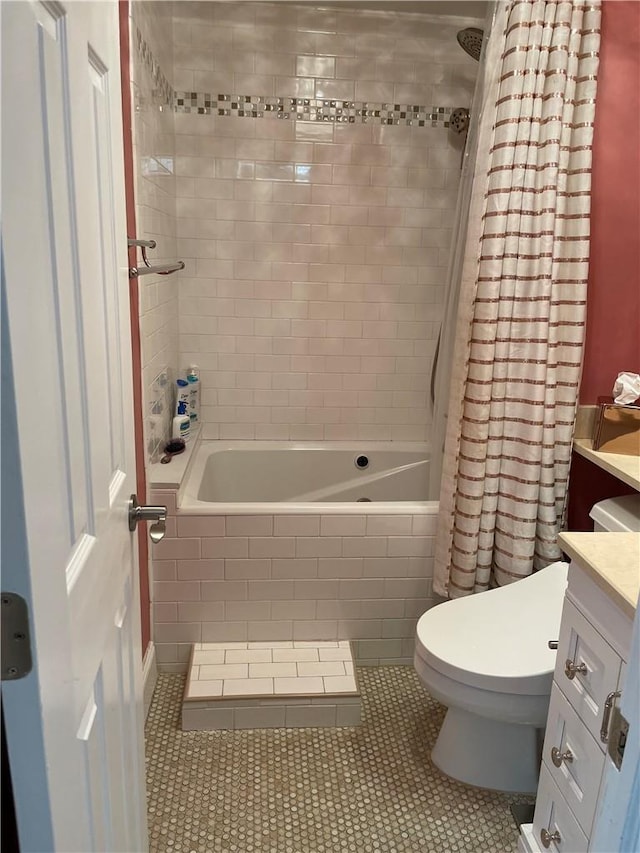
[497, 640]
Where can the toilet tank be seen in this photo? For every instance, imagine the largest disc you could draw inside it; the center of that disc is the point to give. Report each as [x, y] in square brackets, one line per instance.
[617, 515]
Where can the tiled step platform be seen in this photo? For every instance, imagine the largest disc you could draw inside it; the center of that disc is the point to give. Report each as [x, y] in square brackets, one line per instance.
[290, 684]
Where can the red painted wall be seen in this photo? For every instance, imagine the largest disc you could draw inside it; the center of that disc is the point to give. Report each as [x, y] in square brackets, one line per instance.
[589, 484]
[613, 303]
[612, 341]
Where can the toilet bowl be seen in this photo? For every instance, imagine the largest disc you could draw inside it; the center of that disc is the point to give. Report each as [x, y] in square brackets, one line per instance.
[486, 657]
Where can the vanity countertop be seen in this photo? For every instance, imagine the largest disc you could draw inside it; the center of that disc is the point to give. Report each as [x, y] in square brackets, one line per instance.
[612, 560]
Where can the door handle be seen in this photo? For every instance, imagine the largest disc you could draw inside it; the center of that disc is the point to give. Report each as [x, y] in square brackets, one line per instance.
[156, 514]
[606, 716]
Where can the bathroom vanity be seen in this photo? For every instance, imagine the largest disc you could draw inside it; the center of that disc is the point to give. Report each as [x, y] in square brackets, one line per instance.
[582, 725]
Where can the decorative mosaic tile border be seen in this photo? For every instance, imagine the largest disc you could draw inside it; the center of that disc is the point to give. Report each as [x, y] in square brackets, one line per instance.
[312, 109]
[163, 90]
[301, 109]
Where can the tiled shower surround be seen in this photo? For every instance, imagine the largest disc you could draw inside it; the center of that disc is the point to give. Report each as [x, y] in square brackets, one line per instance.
[365, 578]
[313, 219]
[151, 51]
[306, 167]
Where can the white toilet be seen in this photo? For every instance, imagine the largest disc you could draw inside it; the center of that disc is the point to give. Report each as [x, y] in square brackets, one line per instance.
[486, 657]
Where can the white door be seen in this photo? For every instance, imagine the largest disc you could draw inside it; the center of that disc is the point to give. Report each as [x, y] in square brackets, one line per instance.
[74, 725]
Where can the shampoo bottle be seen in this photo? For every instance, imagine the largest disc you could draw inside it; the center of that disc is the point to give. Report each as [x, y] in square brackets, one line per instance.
[182, 395]
[181, 422]
[193, 378]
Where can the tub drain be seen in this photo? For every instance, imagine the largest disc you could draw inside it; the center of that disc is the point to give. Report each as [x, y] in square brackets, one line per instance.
[363, 500]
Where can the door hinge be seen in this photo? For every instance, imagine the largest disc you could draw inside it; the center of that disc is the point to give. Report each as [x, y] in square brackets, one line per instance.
[16, 643]
[617, 736]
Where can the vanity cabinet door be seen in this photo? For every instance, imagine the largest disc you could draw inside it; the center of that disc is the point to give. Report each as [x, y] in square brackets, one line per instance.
[573, 759]
[554, 826]
[587, 669]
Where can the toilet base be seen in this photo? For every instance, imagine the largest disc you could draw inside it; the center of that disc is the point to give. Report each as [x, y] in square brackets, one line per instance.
[488, 753]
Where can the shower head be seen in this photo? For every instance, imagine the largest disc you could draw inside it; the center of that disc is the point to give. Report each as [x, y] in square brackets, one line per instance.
[470, 40]
[459, 119]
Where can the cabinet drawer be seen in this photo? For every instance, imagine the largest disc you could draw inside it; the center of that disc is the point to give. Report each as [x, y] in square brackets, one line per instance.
[578, 776]
[526, 841]
[553, 816]
[582, 645]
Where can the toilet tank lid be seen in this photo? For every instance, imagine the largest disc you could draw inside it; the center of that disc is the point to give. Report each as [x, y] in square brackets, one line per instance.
[619, 515]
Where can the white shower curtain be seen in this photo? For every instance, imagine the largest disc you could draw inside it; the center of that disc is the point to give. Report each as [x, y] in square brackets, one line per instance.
[521, 315]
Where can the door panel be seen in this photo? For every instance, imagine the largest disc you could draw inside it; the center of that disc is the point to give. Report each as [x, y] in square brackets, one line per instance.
[52, 36]
[67, 312]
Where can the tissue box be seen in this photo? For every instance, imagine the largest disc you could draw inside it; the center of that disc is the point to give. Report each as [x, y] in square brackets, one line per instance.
[617, 428]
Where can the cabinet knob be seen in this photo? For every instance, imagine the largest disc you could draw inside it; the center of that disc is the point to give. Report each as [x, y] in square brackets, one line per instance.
[547, 837]
[557, 756]
[571, 669]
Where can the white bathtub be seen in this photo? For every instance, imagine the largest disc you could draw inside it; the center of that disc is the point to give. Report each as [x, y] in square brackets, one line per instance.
[241, 477]
[268, 542]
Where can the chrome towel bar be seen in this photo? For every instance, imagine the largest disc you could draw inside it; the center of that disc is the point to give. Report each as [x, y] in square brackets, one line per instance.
[161, 269]
[148, 269]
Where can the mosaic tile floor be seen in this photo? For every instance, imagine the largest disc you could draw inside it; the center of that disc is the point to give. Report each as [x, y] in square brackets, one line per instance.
[338, 790]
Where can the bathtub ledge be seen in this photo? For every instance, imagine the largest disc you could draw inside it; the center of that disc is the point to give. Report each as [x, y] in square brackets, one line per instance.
[171, 475]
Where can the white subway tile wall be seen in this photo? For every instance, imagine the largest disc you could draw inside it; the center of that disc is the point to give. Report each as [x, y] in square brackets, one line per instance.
[151, 33]
[283, 578]
[315, 252]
